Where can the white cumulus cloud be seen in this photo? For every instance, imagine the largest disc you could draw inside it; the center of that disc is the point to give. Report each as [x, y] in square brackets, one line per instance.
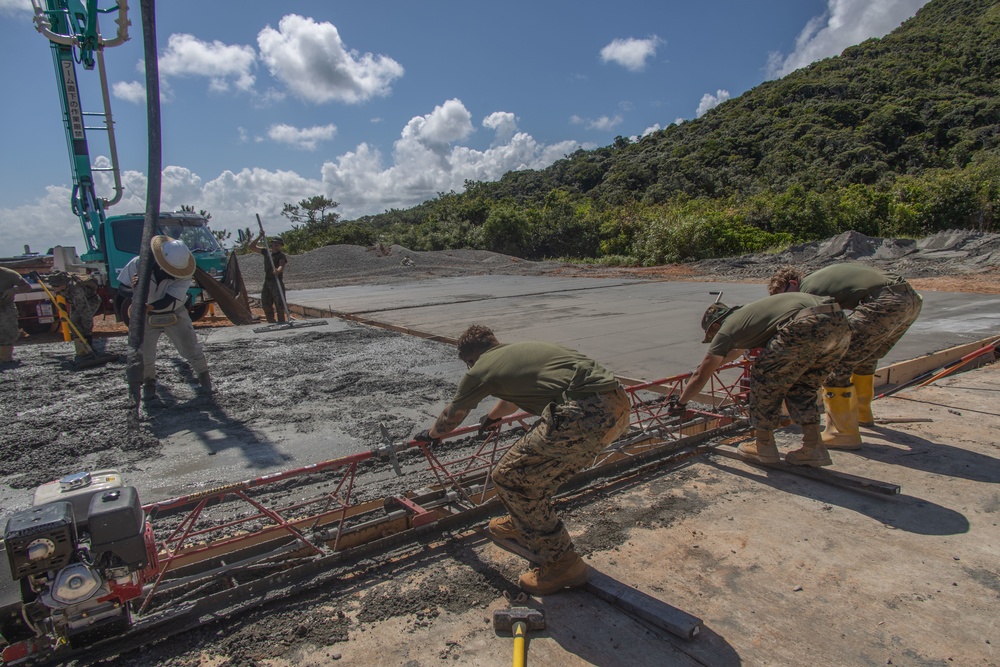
[305, 138]
[222, 64]
[130, 91]
[845, 22]
[313, 62]
[14, 6]
[604, 123]
[503, 124]
[710, 101]
[631, 53]
[428, 157]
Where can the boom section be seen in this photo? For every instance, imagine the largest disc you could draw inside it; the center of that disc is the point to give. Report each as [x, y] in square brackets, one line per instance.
[72, 28]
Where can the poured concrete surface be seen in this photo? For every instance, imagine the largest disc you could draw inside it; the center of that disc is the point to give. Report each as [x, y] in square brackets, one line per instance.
[637, 329]
[782, 570]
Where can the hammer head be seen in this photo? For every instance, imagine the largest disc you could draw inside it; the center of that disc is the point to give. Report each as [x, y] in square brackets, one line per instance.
[504, 619]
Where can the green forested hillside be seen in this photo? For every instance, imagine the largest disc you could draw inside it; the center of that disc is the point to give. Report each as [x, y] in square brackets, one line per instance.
[896, 136]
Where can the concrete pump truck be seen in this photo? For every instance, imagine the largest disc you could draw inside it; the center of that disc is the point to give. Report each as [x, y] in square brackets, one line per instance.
[72, 28]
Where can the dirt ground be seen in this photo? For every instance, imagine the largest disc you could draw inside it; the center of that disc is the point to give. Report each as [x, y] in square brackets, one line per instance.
[784, 571]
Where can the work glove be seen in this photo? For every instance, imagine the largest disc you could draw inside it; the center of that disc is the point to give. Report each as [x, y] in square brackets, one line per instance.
[488, 425]
[675, 408]
[425, 436]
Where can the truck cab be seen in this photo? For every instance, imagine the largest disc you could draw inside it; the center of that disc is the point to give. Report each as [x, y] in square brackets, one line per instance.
[121, 236]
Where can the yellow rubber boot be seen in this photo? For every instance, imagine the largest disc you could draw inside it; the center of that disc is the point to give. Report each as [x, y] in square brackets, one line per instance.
[762, 450]
[841, 431]
[812, 453]
[864, 386]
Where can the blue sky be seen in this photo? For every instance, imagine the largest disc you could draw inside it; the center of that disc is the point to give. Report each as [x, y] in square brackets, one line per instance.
[382, 105]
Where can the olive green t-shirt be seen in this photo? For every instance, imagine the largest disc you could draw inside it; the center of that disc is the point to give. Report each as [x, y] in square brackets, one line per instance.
[531, 375]
[848, 284]
[753, 325]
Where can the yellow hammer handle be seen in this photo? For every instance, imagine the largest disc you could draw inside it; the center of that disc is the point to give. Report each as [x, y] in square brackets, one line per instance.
[519, 653]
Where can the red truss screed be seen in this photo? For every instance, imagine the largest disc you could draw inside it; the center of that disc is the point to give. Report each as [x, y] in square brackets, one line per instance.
[218, 530]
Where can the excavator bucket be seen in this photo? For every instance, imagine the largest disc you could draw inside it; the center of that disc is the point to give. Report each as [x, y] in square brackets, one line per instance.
[231, 294]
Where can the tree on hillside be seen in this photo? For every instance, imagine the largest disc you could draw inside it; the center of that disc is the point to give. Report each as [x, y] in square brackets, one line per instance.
[314, 213]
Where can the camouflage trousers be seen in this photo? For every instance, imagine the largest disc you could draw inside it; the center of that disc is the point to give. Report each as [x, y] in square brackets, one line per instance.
[876, 325]
[270, 300]
[792, 367]
[8, 324]
[83, 305]
[565, 440]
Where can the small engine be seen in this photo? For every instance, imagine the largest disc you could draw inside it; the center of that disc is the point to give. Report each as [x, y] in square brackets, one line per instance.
[76, 557]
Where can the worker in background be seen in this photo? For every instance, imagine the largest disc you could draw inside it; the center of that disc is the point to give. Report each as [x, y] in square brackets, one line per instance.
[272, 293]
[10, 280]
[583, 408]
[883, 306]
[802, 337]
[81, 294]
[166, 310]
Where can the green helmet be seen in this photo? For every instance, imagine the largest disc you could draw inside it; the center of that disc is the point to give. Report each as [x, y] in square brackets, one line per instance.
[715, 313]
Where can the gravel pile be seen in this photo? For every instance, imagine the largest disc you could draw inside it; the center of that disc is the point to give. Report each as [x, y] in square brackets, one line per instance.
[948, 253]
[336, 265]
[955, 252]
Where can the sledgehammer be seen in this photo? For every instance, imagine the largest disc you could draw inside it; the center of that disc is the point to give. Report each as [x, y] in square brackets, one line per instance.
[517, 621]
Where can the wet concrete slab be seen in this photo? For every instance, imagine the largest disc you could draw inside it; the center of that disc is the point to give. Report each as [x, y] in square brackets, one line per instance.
[638, 329]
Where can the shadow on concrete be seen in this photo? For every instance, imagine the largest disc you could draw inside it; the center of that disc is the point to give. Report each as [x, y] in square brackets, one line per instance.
[929, 456]
[598, 641]
[207, 423]
[902, 512]
[597, 631]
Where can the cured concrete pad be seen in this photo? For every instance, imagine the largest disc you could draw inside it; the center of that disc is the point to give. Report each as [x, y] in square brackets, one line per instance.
[637, 329]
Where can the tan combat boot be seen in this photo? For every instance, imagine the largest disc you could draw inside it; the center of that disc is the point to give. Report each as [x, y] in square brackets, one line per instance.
[865, 390]
[502, 528]
[205, 380]
[6, 354]
[762, 450]
[569, 571]
[841, 430]
[813, 452]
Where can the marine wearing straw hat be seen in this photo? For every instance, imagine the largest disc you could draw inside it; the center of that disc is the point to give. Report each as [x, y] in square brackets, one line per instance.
[883, 306]
[84, 302]
[802, 337]
[165, 310]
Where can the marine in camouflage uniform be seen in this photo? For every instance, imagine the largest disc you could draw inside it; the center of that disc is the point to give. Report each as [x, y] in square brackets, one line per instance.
[83, 302]
[9, 333]
[582, 409]
[271, 300]
[883, 306]
[802, 337]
